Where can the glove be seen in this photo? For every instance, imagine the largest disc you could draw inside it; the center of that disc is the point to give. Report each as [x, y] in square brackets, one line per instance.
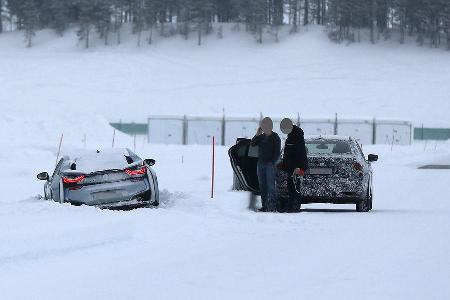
[299, 172]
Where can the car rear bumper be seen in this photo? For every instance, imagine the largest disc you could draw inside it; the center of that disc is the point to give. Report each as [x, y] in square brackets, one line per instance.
[327, 188]
[113, 194]
[333, 200]
[124, 205]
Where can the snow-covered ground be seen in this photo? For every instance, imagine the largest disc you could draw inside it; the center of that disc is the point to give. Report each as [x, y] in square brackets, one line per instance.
[200, 248]
[195, 247]
[304, 73]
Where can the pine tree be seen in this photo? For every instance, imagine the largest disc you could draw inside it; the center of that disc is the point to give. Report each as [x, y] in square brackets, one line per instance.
[150, 16]
[102, 18]
[201, 12]
[59, 15]
[139, 19]
[86, 20]
[293, 15]
[30, 20]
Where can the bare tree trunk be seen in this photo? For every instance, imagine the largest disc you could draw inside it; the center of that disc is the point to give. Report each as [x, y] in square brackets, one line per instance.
[106, 36]
[139, 37]
[1, 19]
[306, 13]
[319, 12]
[324, 11]
[373, 21]
[402, 27]
[87, 38]
[199, 33]
[260, 33]
[295, 16]
[150, 38]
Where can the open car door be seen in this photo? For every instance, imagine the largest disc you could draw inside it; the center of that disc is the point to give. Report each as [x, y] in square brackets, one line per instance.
[244, 160]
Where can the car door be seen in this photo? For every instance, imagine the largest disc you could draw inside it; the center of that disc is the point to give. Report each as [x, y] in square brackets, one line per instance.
[361, 158]
[244, 160]
[153, 181]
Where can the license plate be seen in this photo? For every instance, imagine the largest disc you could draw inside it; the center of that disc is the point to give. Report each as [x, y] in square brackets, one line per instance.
[320, 171]
[107, 195]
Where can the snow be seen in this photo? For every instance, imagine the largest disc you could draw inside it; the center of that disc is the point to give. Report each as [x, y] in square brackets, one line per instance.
[201, 248]
[305, 73]
[105, 159]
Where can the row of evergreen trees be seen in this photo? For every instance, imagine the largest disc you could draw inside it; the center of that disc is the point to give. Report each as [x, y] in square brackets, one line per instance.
[425, 19]
[428, 20]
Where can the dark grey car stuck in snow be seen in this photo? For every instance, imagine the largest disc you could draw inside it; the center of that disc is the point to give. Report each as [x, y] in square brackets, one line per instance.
[338, 173]
[114, 179]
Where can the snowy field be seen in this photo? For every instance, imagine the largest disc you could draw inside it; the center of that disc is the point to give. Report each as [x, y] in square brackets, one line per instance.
[194, 247]
[200, 248]
[304, 73]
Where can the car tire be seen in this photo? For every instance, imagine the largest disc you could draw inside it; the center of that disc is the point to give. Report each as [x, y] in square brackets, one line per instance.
[365, 204]
[297, 207]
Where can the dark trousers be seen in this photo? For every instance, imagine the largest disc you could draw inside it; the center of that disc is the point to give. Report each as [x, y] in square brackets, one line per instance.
[294, 197]
[267, 185]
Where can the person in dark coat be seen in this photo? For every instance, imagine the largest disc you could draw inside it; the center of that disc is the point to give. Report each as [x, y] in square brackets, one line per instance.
[295, 160]
[269, 144]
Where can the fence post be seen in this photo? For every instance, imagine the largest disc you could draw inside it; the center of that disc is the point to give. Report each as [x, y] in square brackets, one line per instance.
[298, 120]
[411, 133]
[335, 124]
[223, 130]
[185, 129]
[374, 131]
[213, 169]
[422, 133]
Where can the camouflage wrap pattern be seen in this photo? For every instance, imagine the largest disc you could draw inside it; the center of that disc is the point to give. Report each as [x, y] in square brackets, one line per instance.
[344, 182]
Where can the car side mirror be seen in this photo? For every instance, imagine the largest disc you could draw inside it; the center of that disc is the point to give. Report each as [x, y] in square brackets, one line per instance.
[43, 176]
[372, 158]
[149, 161]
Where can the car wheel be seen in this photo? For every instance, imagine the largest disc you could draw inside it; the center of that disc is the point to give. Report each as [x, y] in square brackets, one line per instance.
[297, 207]
[365, 204]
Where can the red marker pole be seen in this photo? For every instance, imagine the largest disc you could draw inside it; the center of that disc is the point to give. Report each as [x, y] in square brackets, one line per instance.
[213, 166]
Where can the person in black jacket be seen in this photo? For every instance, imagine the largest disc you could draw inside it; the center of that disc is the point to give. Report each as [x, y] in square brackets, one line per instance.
[295, 161]
[268, 154]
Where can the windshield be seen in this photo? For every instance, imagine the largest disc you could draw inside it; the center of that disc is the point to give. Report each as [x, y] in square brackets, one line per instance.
[328, 147]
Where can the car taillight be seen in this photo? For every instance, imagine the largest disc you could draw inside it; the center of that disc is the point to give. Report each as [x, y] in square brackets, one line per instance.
[357, 166]
[73, 180]
[140, 171]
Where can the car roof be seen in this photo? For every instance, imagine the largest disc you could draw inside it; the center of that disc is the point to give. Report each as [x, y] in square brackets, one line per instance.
[328, 137]
[88, 161]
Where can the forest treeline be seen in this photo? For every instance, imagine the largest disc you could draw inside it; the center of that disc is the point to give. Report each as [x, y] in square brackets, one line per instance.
[427, 20]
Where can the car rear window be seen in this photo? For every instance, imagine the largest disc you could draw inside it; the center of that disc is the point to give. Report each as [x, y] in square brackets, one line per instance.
[93, 161]
[328, 147]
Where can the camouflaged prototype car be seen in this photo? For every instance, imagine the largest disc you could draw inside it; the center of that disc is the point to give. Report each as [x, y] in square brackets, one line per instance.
[338, 172]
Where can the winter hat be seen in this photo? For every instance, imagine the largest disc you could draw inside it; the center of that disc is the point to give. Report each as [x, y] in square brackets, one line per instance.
[267, 125]
[286, 126]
